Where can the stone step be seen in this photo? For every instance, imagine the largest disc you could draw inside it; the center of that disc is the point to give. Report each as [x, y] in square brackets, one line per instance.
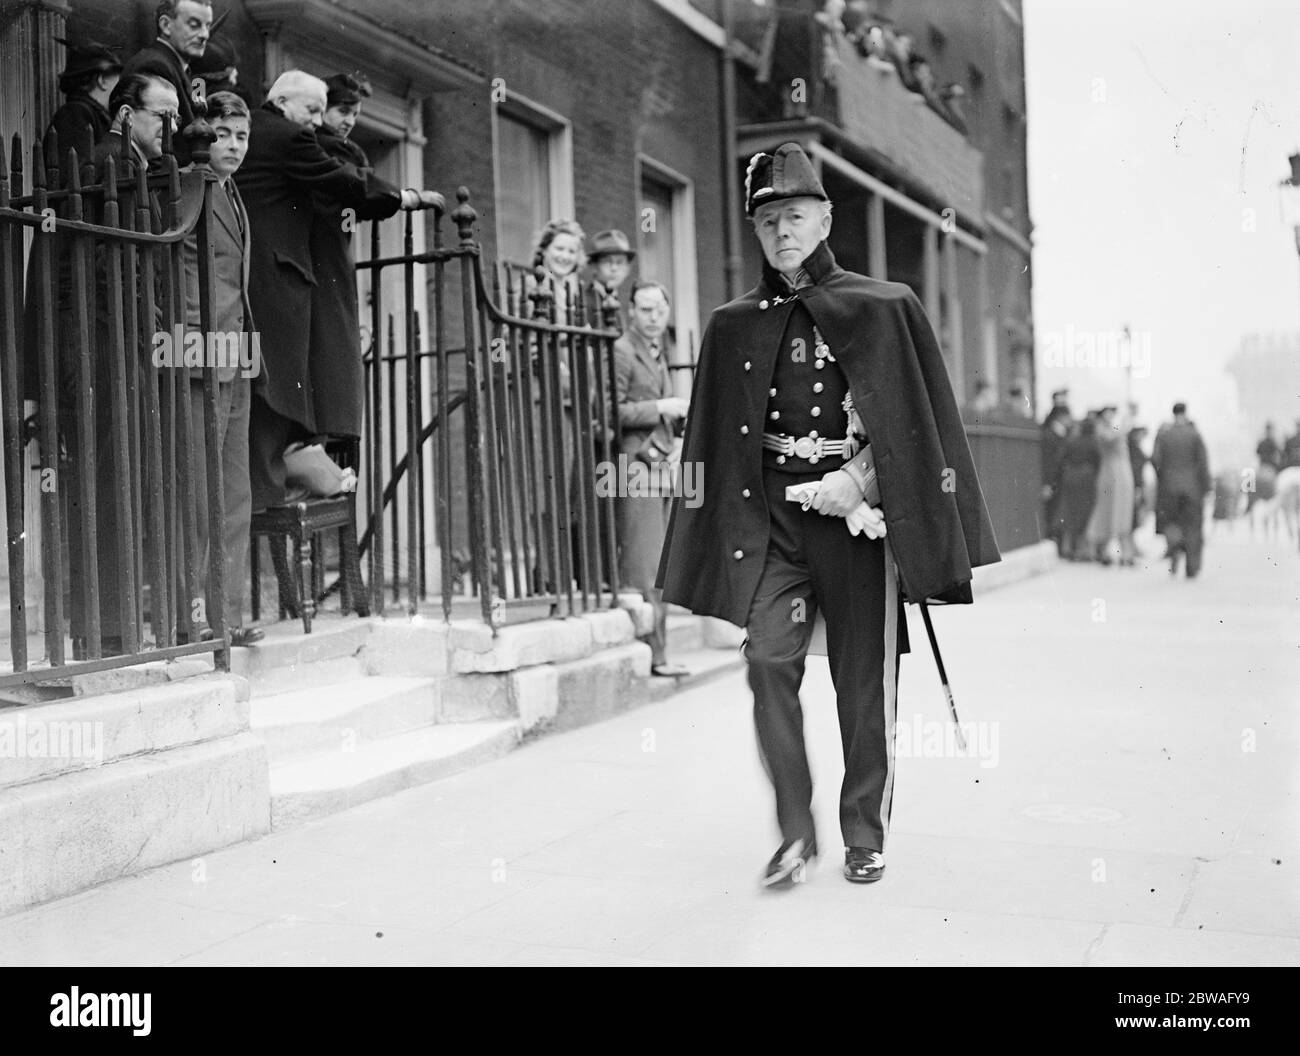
[705, 665]
[287, 659]
[74, 830]
[42, 741]
[325, 784]
[685, 633]
[325, 720]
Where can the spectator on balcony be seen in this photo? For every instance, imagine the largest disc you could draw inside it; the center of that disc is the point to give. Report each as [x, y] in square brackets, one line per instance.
[148, 102]
[648, 416]
[88, 80]
[336, 368]
[285, 174]
[183, 30]
[611, 259]
[218, 68]
[230, 314]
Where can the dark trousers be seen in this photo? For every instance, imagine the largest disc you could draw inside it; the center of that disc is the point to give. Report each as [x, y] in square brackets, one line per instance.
[813, 564]
[233, 406]
[1185, 529]
[642, 525]
[269, 433]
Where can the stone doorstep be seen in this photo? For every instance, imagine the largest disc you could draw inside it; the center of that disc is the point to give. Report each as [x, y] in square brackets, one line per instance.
[90, 733]
[328, 783]
[320, 720]
[66, 833]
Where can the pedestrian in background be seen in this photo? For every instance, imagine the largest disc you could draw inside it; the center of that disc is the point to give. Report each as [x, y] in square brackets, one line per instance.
[1110, 525]
[1079, 464]
[1183, 481]
[647, 415]
[1055, 434]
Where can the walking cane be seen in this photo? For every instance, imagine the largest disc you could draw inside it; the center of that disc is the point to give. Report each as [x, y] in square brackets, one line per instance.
[943, 675]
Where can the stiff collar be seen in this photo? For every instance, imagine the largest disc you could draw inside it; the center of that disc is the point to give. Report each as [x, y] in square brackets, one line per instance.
[818, 265]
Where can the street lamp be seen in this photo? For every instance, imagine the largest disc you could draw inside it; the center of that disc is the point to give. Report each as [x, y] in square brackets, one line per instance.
[1292, 196]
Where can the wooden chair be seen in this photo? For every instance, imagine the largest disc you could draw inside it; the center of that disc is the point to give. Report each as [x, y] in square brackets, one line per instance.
[301, 525]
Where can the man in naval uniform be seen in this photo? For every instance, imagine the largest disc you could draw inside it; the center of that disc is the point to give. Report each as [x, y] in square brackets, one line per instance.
[821, 376]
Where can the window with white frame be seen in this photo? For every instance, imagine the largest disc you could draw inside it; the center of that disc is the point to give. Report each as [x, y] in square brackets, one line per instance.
[534, 184]
[666, 248]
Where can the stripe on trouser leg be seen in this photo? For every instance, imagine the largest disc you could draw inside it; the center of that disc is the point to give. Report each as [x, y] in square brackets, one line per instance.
[889, 699]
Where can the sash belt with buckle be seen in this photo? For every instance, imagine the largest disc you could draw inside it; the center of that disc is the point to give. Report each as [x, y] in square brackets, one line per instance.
[811, 448]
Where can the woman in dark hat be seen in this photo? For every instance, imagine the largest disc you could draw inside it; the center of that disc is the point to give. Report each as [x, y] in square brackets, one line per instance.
[337, 374]
[218, 67]
[88, 80]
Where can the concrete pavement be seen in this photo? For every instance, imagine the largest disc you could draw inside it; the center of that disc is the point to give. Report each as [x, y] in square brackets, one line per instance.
[1130, 797]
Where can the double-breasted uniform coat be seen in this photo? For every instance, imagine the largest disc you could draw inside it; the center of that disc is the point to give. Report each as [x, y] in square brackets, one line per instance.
[939, 528]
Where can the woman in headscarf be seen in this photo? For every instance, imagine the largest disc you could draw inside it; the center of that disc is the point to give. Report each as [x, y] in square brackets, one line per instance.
[1110, 528]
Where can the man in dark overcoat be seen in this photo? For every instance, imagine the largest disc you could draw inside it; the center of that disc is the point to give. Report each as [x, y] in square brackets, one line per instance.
[285, 168]
[807, 379]
[1182, 482]
[337, 369]
[183, 30]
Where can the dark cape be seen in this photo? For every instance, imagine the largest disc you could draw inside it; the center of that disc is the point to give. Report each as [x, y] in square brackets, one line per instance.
[938, 526]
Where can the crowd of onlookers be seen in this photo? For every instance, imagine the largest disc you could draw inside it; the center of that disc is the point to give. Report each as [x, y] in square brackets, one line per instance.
[1094, 484]
[287, 185]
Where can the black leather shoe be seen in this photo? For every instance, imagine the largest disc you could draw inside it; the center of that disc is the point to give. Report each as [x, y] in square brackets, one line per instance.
[243, 637]
[862, 865]
[789, 865]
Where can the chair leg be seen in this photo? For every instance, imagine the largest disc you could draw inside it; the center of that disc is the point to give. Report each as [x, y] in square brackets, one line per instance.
[255, 574]
[289, 605]
[305, 583]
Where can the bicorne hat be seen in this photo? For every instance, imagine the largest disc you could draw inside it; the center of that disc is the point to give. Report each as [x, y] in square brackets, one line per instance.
[608, 243]
[785, 173]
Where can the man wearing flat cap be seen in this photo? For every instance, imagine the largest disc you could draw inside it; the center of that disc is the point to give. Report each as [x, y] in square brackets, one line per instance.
[88, 81]
[829, 387]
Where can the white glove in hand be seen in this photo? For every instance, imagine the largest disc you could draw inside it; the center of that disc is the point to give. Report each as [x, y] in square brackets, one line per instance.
[866, 519]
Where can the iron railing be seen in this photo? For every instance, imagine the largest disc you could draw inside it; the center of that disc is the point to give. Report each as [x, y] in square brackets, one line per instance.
[111, 439]
[501, 434]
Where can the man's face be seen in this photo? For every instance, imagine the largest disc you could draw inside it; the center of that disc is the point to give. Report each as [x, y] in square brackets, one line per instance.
[188, 31]
[789, 231]
[342, 119]
[160, 107]
[230, 146]
[303, 106]
[612, 270]
[649, 313]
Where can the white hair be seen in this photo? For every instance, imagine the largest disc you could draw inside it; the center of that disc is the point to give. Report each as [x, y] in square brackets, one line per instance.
[296, 82]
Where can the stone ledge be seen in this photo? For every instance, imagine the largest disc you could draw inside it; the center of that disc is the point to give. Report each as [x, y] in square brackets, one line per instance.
[67, 833]
[89, 733]
[546, 641]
